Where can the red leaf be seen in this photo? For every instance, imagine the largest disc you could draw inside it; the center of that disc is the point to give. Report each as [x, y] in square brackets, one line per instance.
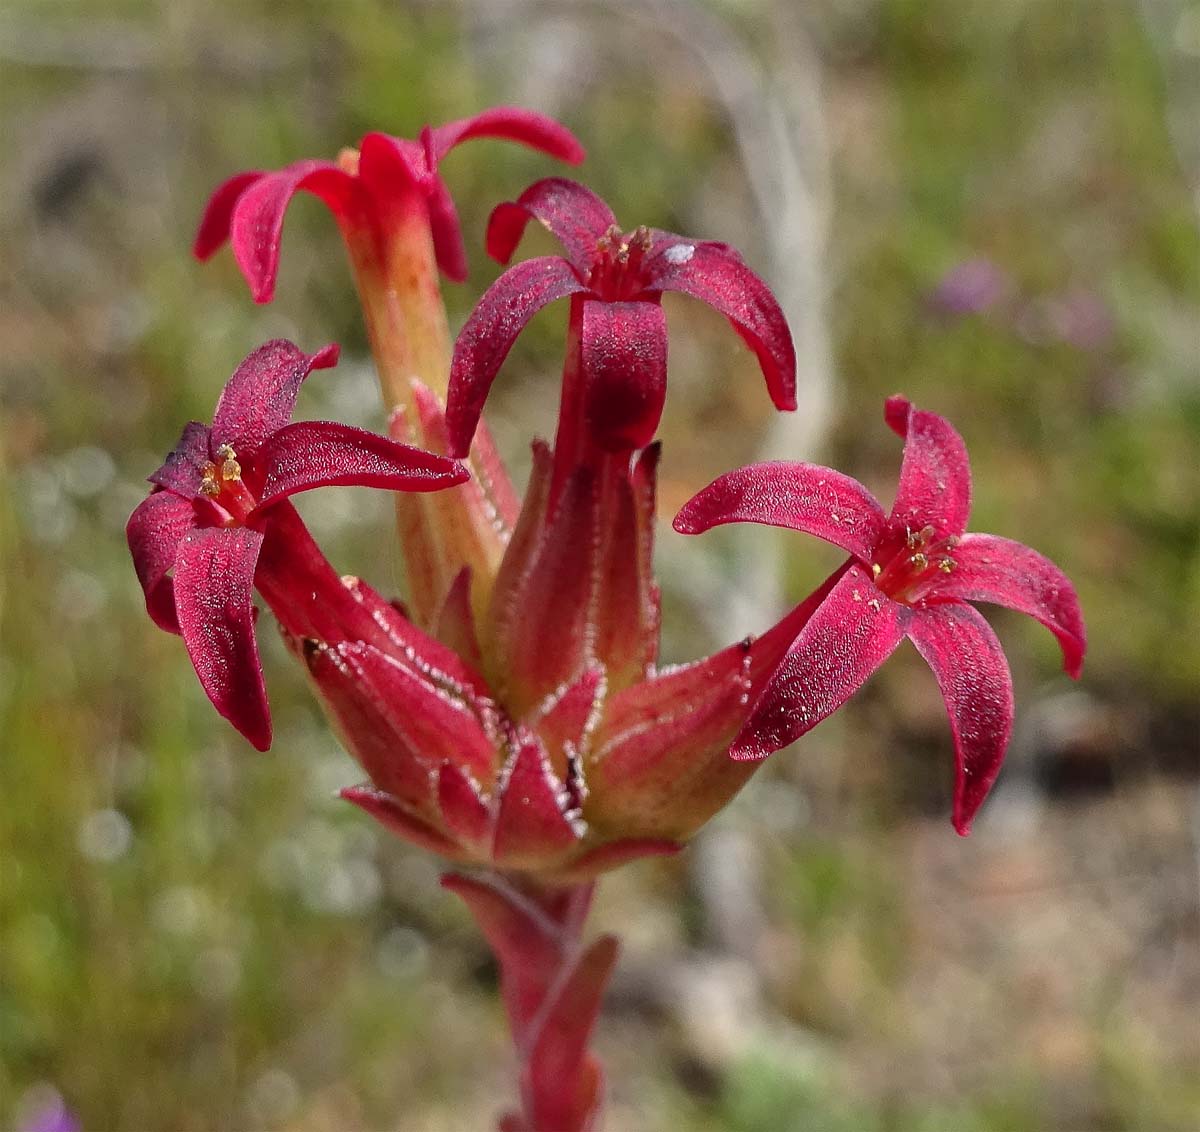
[530, 823]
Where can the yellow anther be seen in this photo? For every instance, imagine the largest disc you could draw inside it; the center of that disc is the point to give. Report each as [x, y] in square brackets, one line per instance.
[230, 468]
[919, 561]
[946, 565]
[876, 569]
[210, 484]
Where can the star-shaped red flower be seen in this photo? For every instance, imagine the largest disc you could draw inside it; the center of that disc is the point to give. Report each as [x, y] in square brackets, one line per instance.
[620, 278]
[365, 191]
[196, 539]
[911, 575]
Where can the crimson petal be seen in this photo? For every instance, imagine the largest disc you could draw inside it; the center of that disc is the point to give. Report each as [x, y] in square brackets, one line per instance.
[214, 583]
[801, 497]
[993, 569]
[213, 229]
[972, 673]
[489, 334]
[183, 469]
[154, 532]
[511, 123]
[312, 454]
[256, 226]
[446, 231]
[574, 214]
[935, 476]
[260, 396]
[624, 356]
[850, 634]
[715, 274]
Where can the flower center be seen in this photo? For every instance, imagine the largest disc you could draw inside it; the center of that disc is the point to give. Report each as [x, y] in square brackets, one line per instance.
[616, 272]
[908, 569]
[221, 483]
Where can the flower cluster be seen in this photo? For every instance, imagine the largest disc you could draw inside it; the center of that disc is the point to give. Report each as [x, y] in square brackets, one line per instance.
[512, 716]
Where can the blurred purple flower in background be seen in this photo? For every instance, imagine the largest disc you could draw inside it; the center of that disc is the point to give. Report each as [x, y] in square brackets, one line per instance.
[970, 287]
[51, 1115]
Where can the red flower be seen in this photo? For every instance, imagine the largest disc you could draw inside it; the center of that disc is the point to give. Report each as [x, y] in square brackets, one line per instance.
[911, 575]
[618, 280]
[366, 191]
[212, 507]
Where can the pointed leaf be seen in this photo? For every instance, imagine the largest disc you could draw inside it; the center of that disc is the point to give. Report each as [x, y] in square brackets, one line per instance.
[543, 628]
[564, 1081]
[213, 230]
[716, 275]
[260, 396]
[530, 823]
[972, 673]
[850, 634]
[571, 212]
[455, 624]
[431, 724]
[464, 811]
[489, 333]
[154, 532]
[993, 569]
[391, 814]
[935, 477]
[312, 454]
[214, 580]
[800, 497]
[388, 758]
[527, 944]
[257, 223]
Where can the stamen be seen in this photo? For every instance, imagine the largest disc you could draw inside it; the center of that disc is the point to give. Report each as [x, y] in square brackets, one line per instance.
[876, 569]
[946, 565]
[210, 482]
[230, 468]
[919, 561]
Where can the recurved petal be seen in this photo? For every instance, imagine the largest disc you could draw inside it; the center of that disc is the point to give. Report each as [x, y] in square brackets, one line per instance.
[572, 213]
[312, 454]
[935, 477]
[973, 676]
[489, 333]
[214, 224]
[849, 635]
[993, 569]
[260, 396]
[214, 581]
[154, 532]
[446, 231]
[800, 497]
[511, 123]
[624, 357]
[257, 216]
[183, 469]
[715, 274]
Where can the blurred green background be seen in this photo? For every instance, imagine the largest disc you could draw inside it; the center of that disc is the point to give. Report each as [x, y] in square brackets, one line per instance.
[990, 206]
